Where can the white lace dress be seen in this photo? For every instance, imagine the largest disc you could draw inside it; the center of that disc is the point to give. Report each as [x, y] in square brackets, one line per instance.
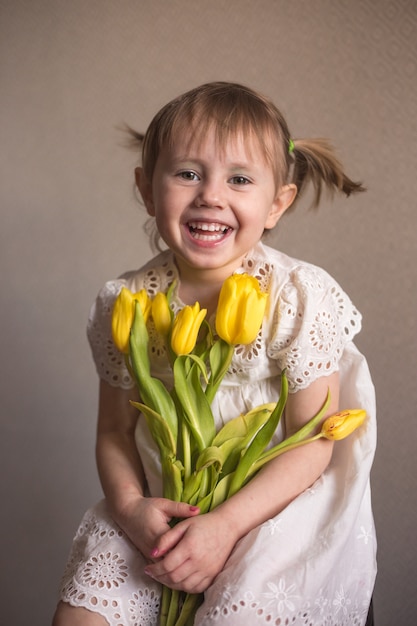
[314, 563]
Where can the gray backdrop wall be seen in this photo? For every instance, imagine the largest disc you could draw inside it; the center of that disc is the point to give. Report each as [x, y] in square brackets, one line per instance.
[71, 72]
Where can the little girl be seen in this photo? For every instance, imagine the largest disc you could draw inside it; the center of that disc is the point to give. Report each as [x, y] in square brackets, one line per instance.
[296, 545]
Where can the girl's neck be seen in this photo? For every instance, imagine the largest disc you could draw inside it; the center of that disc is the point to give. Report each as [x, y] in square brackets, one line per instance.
[205, 292]
[202, 286]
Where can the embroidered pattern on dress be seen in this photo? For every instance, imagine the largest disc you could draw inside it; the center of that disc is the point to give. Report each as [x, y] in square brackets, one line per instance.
[103, 583]
[244, 355]
[157, 347]
[105, 570]
[277, 606]
[144, 608]
[365, 535]
[158, 279]
[261, 271]
[326, 329]
[281, 597]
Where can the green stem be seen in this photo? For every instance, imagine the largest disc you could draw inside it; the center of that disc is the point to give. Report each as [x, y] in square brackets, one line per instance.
[165, 602]
[191, 604]
[186, 450]
[129, 366]
[277, 451]
[204, 487]
[173, 608]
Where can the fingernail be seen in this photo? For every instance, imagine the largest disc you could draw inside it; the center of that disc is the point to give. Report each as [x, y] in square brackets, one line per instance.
[194, 508]
[155, 552]
[148, 573]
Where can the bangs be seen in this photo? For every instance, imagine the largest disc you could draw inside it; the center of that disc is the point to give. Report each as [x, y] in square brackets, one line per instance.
[233, 112]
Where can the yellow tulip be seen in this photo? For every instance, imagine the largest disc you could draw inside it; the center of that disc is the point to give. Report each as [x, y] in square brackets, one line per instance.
[124, 313]
[342, 424]
[240, 310]
[161, 314]
[185, 328]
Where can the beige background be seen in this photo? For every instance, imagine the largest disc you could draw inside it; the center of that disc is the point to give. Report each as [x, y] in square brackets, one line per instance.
[71, 72]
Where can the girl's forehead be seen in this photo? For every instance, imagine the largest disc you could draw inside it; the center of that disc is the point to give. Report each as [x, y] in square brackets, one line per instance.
[235, 144]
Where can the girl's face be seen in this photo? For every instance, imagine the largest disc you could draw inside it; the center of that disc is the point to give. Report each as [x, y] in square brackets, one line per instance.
[212, 204]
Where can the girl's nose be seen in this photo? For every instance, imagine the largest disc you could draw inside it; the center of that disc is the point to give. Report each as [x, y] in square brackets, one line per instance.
[211, 194]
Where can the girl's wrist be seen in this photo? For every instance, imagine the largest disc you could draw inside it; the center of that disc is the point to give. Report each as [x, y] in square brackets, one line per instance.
[230, 518]
[123, 501]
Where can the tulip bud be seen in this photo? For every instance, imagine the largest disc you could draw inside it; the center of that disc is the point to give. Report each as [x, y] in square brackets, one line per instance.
[124, 313]
[240, 310]
[161, 314]
[185, 328]
[342, 424]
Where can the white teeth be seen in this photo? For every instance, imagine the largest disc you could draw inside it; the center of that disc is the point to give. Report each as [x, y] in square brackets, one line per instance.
[213, 237]
[213, 228]
[207, 231]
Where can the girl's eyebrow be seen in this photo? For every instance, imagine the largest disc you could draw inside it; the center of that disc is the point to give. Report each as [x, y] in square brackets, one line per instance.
[185, 160]
[188, 160]
[242, 166]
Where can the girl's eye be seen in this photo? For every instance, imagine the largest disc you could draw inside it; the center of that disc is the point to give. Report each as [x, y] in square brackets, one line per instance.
[240, 180]
[188, 175]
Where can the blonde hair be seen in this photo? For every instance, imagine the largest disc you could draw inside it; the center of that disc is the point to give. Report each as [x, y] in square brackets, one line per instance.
[231, 110]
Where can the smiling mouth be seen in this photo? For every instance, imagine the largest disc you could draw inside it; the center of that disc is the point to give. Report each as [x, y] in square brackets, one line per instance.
[208, 231]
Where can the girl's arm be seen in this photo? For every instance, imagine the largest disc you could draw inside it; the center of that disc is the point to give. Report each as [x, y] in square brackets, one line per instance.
[121, 473]
[118, 462]
[284, 478]
[197, 549]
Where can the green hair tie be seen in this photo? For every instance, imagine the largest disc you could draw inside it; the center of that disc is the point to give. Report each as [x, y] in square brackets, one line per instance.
[291, 146]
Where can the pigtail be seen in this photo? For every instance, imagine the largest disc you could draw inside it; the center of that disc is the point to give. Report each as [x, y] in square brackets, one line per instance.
[134, 139]
[315, 162]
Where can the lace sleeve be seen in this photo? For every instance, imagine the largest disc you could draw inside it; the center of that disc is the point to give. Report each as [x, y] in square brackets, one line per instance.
[314, 320]
[110, 363]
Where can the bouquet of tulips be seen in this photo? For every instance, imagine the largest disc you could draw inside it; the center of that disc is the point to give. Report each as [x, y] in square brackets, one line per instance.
[199, 465]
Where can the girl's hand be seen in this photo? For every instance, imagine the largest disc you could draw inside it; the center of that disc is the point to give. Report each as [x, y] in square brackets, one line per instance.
[192, 553]
[145, 520]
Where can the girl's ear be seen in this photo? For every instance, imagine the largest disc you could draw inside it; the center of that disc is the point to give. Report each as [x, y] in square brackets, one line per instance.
[145, 190]
[284, 199]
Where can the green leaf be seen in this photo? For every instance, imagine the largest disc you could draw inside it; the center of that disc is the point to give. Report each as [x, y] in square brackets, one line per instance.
[211, 456]
[159, 429]
[152, 391]
[192, 488]
[221, 490]
[205, 503]
[236, 435]
[262, 439]
[200, 365]
[244, 425]
[220, 357]
[192, 398]
[299, 438]
[172, 478]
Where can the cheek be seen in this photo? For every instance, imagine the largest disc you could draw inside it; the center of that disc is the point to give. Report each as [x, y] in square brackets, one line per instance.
[261, 217]
[168, 223]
